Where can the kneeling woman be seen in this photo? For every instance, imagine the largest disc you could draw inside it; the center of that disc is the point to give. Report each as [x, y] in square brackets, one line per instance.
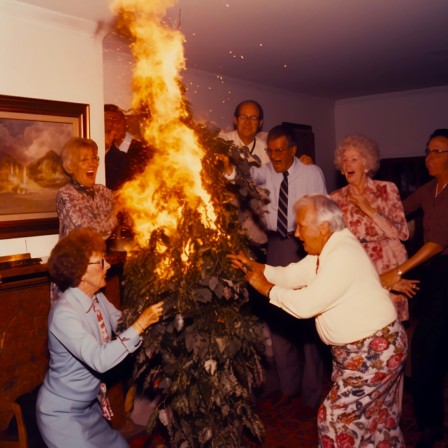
[72, 402]
[339, 286]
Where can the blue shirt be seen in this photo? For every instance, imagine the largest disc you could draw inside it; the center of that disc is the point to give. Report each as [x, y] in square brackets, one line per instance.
[78, 353]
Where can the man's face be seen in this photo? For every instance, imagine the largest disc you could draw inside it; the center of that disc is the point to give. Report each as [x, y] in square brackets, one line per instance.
[437, 164]
[248, 122]
[308, 232]
[115, 125]
[280, 155]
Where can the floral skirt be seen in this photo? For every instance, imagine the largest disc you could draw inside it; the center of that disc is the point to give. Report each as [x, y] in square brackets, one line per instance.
[363, 407]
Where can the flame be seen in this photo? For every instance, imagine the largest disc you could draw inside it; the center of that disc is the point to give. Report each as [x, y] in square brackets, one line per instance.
[173, 178]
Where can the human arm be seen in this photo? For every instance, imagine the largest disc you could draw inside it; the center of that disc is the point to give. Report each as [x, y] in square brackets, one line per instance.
[228, 168]
[148, 317]
[382, 204]
[78, 333]
[390, 278]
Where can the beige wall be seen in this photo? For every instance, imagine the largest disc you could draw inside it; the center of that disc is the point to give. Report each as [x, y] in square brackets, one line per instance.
[50, 56]
[400, 122]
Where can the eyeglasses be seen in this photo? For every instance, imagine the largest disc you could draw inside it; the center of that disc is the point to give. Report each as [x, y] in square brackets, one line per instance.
[101, 262]
[90, 159]
[275, 152]
[251, 118]
[435, 151]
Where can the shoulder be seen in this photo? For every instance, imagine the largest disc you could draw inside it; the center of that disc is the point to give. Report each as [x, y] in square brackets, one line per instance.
[306, 172]
[103, 190]
[67, 191]
[66, 187]
[341, 192]
[384, 184]
[63, 307]
[229, 135]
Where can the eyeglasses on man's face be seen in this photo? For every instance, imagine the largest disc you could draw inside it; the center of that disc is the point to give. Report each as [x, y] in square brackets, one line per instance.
[251, 118]
[275, 152]
[101, 262]
[435, 151]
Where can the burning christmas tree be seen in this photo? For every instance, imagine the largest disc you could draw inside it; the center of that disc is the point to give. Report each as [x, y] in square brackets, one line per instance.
[203, 359]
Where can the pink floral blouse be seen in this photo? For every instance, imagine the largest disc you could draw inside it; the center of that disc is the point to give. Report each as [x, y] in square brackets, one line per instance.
[76, 209]
[381, 235]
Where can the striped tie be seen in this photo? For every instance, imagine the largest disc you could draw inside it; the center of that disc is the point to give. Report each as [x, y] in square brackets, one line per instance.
[282, 218]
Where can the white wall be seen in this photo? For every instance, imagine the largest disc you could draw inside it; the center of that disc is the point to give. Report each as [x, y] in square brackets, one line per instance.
[51, 56]
[400, 122]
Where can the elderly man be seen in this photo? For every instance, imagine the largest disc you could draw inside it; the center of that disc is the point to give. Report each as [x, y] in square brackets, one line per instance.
[298, 365]
[338, 285]
[247, 123]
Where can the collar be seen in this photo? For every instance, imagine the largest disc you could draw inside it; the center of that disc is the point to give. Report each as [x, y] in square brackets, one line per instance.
[124, 147]
[89, 191]
[83, 299]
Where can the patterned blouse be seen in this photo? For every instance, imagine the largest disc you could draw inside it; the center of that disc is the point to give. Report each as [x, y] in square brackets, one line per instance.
[381, 235]
[77, 208]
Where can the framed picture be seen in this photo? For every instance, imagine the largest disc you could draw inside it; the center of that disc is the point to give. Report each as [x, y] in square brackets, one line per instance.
[32, 134]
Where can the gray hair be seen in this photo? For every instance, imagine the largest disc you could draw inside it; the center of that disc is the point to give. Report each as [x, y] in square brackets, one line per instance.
[367, 148]
[326, 210]
[71, 150]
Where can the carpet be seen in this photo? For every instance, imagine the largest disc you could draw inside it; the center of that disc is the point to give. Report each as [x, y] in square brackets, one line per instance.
[287, 426]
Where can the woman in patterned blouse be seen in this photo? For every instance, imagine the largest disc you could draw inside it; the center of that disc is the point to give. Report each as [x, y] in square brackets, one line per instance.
[373, 212]
[82, 203]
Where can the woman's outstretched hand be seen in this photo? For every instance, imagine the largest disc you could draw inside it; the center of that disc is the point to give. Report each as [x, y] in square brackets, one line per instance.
[149, 316]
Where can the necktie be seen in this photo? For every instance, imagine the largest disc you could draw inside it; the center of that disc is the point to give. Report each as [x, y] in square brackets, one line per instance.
[102, 395]
[282, 217]
[99, 317]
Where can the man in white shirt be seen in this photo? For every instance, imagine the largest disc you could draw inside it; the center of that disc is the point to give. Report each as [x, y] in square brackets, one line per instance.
[298, 363]
[247, 123]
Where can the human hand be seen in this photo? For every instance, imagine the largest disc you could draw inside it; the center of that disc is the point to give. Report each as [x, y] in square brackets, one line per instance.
[240, 261]
[228, 168]
[408, 287]
[148, 317]
[389, 279]
[306, 159]
[359, 200]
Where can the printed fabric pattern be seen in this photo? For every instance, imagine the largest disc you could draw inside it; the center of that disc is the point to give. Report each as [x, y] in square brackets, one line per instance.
[363, 407]
[380, 236]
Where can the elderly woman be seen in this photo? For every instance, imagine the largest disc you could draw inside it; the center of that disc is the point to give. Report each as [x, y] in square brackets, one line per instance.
[338, 285]
[82, 203]
[72, 401]
[430, 339]
[373, 211]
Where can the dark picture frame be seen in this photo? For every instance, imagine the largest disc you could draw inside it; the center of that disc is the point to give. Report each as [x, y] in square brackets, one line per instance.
[32, 133]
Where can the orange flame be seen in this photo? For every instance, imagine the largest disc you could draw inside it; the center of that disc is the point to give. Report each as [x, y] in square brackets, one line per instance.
[172, 178]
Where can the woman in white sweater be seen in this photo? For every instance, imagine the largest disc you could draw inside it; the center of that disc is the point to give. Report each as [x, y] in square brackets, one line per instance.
[338, 285]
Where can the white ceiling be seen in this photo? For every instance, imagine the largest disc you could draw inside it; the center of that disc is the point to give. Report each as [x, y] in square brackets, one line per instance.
[327, 48]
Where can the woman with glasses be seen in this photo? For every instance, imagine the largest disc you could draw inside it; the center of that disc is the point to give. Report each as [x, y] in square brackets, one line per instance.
[430, 339]
[72, 403]
[373, 211]
[81, 202]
